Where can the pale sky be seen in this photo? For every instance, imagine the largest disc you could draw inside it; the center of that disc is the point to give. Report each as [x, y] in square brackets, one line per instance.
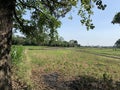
[104, 34]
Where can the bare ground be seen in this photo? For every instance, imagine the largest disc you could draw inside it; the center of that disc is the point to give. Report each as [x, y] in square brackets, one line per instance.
[56, 81]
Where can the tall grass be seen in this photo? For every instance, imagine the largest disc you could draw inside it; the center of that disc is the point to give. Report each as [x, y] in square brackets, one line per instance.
[16, 54]
[20, 68]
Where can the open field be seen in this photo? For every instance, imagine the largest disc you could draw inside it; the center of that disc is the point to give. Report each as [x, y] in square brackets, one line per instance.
[54, 68]
[108, 52]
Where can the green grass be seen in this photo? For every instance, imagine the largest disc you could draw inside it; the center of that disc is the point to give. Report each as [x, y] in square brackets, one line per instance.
[70, 62]
[20, 65]
[16, 54]
[105, 51]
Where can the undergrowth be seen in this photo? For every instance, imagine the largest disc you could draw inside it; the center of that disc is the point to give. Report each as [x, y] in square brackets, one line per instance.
[16, 54]
[19, 69]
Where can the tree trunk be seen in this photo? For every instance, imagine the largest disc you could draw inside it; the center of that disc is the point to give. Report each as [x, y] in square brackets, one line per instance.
[6, 20]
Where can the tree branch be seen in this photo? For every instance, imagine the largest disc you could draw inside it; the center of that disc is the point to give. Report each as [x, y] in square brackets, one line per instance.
[18, 20]
[30, 6]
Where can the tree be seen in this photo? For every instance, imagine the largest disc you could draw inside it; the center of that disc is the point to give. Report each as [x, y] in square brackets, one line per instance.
[45, 13]
[6, 19]
[17, 40]
[117, 43]
[73, 42]
[116, 19]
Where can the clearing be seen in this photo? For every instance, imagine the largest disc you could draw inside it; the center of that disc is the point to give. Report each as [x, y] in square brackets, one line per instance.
[54, 68]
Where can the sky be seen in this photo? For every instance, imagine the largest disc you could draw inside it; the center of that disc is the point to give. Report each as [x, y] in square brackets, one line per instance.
[104, 34]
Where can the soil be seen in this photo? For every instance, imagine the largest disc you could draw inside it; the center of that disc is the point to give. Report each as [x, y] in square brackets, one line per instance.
[56, 81]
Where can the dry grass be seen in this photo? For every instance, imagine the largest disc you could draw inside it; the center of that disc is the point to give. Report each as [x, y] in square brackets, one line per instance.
[72, 63]
[68, 64]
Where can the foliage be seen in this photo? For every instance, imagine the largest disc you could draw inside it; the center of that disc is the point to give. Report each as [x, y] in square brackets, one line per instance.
[19, 68]
[17, 40]
[85, 11]
[44, 18]
[16, 54]
[73, 42]
[116, 19]
[45, 15]
[117, 43]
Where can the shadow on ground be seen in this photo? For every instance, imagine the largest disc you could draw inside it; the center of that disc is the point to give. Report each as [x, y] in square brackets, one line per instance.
[80, 83]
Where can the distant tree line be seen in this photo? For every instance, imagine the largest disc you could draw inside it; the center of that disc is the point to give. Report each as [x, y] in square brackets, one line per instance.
[59, 42]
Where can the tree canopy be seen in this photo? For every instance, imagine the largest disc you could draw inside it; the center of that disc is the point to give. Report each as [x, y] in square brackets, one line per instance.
[117, 43]
[45, 14]
[116, 19]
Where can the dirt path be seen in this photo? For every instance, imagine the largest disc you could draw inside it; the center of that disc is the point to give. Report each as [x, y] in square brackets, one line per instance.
[27, 62]
[100, 54]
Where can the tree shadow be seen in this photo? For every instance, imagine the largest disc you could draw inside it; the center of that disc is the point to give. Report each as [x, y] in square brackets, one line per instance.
[80, 83]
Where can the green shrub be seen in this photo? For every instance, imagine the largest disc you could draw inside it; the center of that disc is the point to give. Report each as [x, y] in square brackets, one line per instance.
[16, 54]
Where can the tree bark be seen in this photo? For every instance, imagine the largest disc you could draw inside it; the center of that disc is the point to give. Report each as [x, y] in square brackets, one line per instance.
[6, 20]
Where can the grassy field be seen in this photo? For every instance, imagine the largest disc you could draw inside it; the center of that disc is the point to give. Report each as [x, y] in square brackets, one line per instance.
[46, 66]
[103, 51]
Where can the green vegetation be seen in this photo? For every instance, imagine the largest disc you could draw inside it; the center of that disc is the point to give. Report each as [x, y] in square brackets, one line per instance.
[108, 52]
[44, 20]
[117, 44]
[20, 67]
[16, 54]
[70, 63]
[60, 42]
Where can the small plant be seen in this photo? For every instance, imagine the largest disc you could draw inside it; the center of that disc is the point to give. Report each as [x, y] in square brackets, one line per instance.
[107, 82]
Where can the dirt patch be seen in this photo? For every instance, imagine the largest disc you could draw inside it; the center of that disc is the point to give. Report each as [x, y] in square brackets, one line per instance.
[18, 84]
[55, 81]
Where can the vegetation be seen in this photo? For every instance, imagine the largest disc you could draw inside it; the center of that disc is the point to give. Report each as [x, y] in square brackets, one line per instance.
[117, 43]
[116, 19]
[56, 68]
[44, 20]
[17, 40]
[20, 69]
[16, 54]
[108, 52]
